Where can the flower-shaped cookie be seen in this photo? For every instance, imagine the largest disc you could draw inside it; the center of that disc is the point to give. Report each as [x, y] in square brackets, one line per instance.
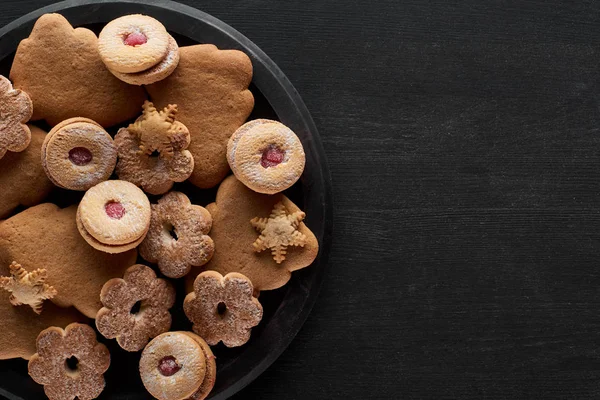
[16, 109]
[177, 238]
[223, 308]
[118, 318]
[27, 287]
[152, 150]
[70, 363]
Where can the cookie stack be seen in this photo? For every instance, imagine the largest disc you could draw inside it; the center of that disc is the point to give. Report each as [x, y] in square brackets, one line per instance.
[125, 234]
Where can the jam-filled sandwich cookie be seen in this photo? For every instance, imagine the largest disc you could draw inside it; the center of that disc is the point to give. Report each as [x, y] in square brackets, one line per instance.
[266, 156]
[223, 308]
[114, 216]
[78, 154]
[153, 150]
[16, 109]
[211, 369]
[178, 235]
[119, 319]
[70, 363]
[138, 49]
[173, 366]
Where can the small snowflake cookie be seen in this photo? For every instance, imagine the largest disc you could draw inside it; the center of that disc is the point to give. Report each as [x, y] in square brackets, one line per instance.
[266, 156]
[119, 319]
[16, 109]
[178, 236]
[70, 363]
[152, 151]
[223, 308]
[28, 288]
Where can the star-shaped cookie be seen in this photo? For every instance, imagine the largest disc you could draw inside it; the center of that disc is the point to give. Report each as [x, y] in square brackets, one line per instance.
[278, 232]
[28, 288]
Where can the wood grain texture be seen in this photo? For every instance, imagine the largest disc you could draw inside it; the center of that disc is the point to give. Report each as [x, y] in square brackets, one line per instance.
[464, 143]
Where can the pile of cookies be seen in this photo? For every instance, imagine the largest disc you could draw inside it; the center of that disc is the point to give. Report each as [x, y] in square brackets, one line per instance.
[113, 256]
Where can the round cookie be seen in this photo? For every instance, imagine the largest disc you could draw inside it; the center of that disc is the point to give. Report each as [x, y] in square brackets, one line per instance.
[133, 43]
[78, 154]
[266, 156]
[115, 212]
[211, 369]
[158, 72]
[173, 366]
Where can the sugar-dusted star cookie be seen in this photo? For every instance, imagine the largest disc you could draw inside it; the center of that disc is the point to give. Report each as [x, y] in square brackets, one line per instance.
[28, 288]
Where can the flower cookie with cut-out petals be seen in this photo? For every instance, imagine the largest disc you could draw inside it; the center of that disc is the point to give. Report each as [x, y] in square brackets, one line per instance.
[28, 288]
[223, 308]
[178, 235]
[152, 150]
[118, 320]
[70, 363]
[16, 109]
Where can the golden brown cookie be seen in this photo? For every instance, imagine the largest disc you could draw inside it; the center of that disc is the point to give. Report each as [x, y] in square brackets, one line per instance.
[266, 156]
[78, 154]
[178, 236]
[114, 213]
[119, 320]
[211, 369]
[61, 70]
[234, 237]
[133, 43]
[210, 86]
[70, 363]
[20, 326]
[22, 178]
[173, 366]
[27, 288]
[158, 72]
[223, 308]
[47, 236]
[15, 110]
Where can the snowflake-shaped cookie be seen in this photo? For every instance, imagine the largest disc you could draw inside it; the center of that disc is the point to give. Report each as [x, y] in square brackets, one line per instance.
[278, 232]
[152, 150]
[16, 109]
[27, 287]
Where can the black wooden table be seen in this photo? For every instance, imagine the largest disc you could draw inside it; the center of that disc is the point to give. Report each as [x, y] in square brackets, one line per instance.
[464, 143]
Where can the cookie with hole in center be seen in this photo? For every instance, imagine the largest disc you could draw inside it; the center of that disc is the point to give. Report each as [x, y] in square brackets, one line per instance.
[210, 87]
[71, 81]
[47, 236]
[78, 154]
[16, 109]
[22, 177]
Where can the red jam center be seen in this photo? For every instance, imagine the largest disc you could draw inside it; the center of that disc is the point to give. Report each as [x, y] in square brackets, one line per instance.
[168, 366]
[135, 39]
[114, 209]
[80, 156]
[272, 156]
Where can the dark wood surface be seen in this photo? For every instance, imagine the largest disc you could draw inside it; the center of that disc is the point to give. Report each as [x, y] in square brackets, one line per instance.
[464, 144]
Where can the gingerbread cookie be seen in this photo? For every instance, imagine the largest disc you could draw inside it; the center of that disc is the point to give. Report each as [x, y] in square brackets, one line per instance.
[47, 236]
[152, 151]
[266, 156]
[222, 308]
[61, 70]
[78, 154]
[173, 366]
[70, 363]
[133, 43]
[235, 236]
[210, 86]
[119, 319]
[22, 178]
[177, 238]
[27, 288]
[114, 216]
[211, 369]
[15, 110]
[20, 326]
